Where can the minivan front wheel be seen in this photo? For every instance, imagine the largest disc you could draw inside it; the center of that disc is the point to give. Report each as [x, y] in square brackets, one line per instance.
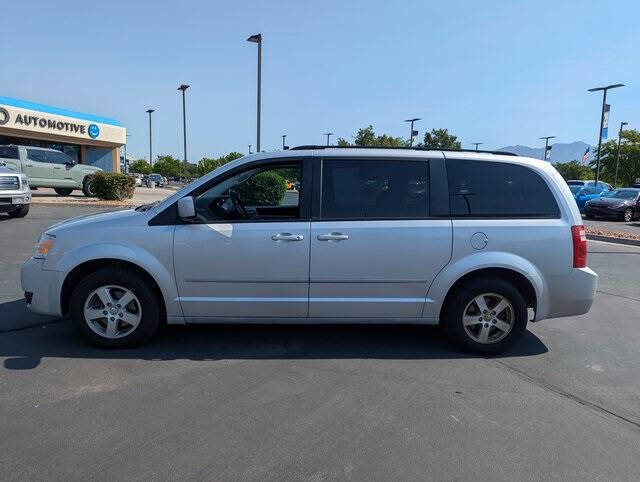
[485, 316]
[115, 308]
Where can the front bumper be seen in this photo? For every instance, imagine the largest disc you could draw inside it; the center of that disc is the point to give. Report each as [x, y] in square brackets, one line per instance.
[10, 200]
[44, 285]
[604, 212]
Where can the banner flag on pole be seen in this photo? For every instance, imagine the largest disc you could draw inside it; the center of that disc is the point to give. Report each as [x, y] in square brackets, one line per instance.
[605, 121]
[586, 155]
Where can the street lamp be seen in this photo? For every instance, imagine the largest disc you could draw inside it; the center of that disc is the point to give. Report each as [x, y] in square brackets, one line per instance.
[249, 148]
[411, 130]
[257, 38]
[622, 124]
[477, 144]
[283, 138]
[328, 134]
[546, 146]
[183, 88]
[604, 101]
[125, 153]
[150, 111]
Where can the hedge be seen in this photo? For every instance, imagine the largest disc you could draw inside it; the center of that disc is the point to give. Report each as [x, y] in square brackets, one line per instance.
[264, 189]
[112, 186]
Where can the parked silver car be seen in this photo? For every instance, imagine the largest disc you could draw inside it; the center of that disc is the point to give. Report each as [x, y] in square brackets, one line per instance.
[15, 193]
[467, 240]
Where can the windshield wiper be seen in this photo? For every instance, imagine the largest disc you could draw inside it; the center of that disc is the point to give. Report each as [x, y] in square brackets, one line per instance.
[146, 207]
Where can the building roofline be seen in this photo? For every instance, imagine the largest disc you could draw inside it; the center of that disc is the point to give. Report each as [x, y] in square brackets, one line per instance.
[25, 104]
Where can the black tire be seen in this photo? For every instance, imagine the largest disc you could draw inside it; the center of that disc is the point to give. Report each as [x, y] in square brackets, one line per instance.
[459, 300]
[21, 212]
[627, 216]
[86, 187]
[150, 305]
[63, 191]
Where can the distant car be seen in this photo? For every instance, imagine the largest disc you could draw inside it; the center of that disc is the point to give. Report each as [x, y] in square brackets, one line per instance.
[621, 203]
[138, 179]
[585, 183]
[587, 193]
[157, 178]
[15, 194]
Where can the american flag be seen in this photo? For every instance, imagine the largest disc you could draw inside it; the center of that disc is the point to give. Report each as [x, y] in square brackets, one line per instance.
[586, 155]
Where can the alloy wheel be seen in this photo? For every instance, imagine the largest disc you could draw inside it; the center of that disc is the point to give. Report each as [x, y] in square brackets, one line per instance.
[488, 318]
[112, 311]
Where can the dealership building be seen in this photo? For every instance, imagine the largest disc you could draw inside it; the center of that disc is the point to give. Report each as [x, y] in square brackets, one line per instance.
[87, 138]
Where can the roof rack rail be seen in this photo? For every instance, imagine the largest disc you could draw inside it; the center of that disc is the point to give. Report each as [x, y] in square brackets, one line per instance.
[318, 147]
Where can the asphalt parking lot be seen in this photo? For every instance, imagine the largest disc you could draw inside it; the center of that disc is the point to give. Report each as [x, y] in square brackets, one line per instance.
[318, 403]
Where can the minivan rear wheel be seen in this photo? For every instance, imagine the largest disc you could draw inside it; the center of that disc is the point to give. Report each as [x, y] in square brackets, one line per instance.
[115, 308]
[485, 316]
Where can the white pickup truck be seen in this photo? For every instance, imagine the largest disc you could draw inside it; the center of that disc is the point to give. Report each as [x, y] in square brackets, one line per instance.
[15, 194]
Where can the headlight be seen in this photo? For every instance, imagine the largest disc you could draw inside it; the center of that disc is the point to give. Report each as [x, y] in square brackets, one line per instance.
[43, 246]
[25, 180]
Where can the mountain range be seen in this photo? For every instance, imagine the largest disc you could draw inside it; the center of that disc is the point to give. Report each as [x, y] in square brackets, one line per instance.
[559, 152]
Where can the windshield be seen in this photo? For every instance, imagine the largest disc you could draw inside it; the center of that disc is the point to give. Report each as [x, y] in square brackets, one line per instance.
[574, 189]
[622, 194]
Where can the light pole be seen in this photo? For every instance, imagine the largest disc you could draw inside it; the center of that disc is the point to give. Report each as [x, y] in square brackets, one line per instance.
[283, 138]
[477, 144]
[125, 153]
[622, 124]
[150, 111]
[257, 38]
[249, 148]
[411, 129]
[328, 134]
[183, 88]
[546, 146]
[604, 101]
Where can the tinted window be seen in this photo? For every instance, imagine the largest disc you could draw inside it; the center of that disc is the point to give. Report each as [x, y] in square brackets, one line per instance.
[8, 152]
[37, 155]
[266, 192]
[57, 157]
[495, 189]
[374, 189]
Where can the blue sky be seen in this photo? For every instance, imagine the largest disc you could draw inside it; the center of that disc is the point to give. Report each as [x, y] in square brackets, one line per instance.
[498, 72]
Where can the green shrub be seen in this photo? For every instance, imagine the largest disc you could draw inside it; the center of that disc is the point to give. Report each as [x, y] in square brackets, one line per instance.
[112, 186]
[264, 189]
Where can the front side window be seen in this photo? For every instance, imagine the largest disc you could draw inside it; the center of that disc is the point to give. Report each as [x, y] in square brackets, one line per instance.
[9, 152]
[497, 189]
[37, 155]
[265, 192]
[57, 157]
[365, 189]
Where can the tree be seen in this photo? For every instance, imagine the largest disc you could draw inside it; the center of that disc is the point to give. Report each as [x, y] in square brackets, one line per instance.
[574, 170]
[168, 166]
[629, 168]
[141, 166]
[366, 137]
[208, 164]
[440, 139]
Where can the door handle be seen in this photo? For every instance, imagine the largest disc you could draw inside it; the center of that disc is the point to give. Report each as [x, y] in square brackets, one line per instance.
[333, 237]
[57, 167]
[287, 237]
[29, 165]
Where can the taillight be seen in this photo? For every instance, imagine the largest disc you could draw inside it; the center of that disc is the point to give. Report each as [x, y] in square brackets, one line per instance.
[579, 246]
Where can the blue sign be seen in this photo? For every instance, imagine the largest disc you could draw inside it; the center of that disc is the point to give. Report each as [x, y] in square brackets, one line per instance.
[94, 131]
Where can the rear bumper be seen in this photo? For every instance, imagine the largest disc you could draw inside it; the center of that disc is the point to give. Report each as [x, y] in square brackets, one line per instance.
[572, 295]
[44, 285]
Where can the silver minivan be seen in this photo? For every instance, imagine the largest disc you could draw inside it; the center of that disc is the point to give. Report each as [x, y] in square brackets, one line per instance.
[479, 243]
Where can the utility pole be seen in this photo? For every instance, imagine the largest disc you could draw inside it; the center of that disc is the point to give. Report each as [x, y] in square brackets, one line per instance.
[622, 124]
[328, 134]
[257, 38]
[150, 111]
[604, 101]
[546, 146]
[411, 129]
[283, 138]
[477, 144]
[183, 88]
[249, 148]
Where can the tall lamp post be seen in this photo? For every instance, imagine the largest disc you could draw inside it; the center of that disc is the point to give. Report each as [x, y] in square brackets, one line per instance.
[125, 154]
[249, 148]
[283, 138]
[622, 124]
[328, 134]
[150, 111]
[411, 129]
[546, 146]
[257, 38]
[604, 101]
[477, 144]
[183, 88]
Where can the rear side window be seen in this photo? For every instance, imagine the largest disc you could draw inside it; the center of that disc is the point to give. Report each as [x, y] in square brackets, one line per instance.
[9, 152]
[496, 189]
[37, 155]
[364, 189]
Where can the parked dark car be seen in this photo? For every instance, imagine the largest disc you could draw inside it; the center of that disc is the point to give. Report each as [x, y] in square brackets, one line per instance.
[621, 204]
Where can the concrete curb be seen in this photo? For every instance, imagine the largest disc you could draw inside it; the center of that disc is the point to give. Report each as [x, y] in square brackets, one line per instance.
[97, 204]
[628, 242]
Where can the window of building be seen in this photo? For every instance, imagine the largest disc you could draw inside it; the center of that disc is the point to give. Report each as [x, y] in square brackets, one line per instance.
[365, 189]
[260, 193]
[496, 189]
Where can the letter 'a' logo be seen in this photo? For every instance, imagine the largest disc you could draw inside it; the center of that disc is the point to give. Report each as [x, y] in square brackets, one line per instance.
[94, 131]
[4, 116]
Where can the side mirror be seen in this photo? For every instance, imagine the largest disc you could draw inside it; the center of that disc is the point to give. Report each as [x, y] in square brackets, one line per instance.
[186, 208]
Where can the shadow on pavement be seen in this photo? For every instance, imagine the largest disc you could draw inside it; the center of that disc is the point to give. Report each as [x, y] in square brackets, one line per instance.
[14, 315]
[25, 349]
